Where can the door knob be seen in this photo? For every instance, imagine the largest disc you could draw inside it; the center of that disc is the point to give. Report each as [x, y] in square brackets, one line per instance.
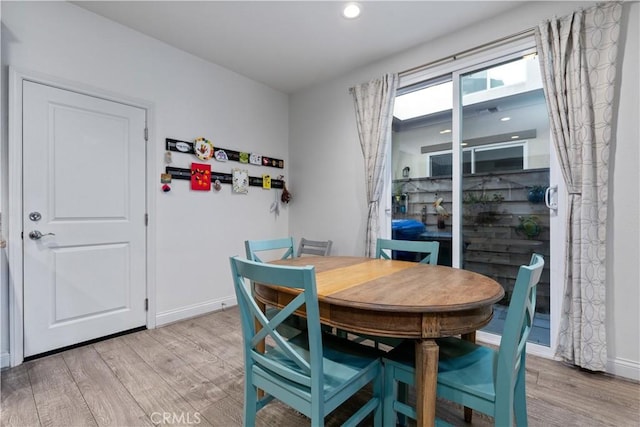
[36, 235]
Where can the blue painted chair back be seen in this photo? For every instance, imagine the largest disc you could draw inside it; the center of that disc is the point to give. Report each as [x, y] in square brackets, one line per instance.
[431, 249]
[517, 326]
[301, 372]
[252, 247]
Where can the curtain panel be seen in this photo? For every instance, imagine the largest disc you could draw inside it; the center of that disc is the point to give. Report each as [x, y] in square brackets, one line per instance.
[374, 114]
[578, 62]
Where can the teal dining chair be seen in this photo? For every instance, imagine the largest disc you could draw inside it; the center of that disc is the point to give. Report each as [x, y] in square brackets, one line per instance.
[426, 251]
[314, 373]
[487, 380]
[273, 246]
[279, 248]
[314, 247]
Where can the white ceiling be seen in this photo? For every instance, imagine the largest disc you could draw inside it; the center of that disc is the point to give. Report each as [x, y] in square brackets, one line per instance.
[290, 45]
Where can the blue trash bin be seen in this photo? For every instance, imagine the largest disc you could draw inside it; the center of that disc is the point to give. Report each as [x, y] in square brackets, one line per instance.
[406, 229]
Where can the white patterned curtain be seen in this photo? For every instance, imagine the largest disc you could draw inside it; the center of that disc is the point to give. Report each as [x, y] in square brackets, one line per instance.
[578, 62]
[374, 110]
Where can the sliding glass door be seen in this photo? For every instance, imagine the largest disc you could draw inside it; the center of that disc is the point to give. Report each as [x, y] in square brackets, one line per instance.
[504, 140]
[471, 164]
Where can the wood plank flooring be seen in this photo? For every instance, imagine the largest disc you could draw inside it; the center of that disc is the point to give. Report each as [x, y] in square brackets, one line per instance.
[191, 373]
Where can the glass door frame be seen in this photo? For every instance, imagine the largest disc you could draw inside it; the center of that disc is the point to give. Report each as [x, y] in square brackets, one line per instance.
[456, 69]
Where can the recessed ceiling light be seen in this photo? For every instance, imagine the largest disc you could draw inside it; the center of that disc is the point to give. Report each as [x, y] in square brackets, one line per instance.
[351, 11]
[442, 132]
[505, 119]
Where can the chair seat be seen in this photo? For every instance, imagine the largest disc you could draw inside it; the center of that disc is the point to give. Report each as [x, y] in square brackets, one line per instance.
[461, 365]
[343, 361]
[467, 366]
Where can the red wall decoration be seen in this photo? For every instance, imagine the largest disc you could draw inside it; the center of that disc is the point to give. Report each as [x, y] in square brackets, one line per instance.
[200, 177]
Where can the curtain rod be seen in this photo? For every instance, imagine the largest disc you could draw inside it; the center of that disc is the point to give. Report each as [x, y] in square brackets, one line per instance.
[477, 49]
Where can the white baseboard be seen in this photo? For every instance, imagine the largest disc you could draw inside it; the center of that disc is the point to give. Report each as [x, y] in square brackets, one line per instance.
[194, 310]
[5, 360]
[624, 368]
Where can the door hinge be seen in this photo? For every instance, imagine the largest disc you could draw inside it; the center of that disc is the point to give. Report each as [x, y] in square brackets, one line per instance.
[146, 219]
[146, 134]
[146, 304]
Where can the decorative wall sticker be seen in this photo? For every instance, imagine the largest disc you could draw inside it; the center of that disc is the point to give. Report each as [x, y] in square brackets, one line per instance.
[221, 156]
[240, 180]
[203, 148]
[165, 178]
[200, 177]
[181, 146]
[274, 163]
[266, 181]
[255, 159]
[244, 157]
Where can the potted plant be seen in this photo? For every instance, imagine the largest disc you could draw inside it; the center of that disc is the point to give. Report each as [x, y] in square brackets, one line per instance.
[536, 193]
[482, 207]
[528, 226]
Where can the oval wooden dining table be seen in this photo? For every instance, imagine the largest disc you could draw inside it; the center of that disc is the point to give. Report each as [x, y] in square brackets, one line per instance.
[399, 299]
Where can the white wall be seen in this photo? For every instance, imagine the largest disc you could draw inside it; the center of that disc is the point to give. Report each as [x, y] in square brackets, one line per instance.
[196, 232]
[327, 164]
[623, 225]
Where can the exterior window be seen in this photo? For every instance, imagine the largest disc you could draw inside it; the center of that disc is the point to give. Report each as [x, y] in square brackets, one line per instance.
[488, 158]
[508, 74]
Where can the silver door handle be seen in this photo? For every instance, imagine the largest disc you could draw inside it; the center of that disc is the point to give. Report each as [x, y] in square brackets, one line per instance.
[36, 235]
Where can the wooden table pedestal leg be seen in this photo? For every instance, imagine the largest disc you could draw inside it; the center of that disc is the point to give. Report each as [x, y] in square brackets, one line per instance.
[426, 381]
[468, 412]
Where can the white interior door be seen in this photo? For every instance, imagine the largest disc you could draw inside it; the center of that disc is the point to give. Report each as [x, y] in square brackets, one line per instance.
[84, 191]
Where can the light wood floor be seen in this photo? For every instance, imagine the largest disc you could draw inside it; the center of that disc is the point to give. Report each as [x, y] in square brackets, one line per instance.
[190, 373]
